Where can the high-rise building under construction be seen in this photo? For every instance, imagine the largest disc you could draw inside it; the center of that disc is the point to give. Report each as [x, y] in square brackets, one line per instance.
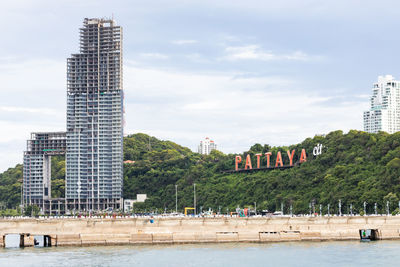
[95, 119]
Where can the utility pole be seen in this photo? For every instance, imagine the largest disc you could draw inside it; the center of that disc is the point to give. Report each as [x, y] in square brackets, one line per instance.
[313, 206]
[340, 207]
[387, 208]
[320, 209]
[351, 209]
[22, 198]
[328, 209]
[365, 208]
[376, 208]
[282, 207]
[176, 198]
[194, 198]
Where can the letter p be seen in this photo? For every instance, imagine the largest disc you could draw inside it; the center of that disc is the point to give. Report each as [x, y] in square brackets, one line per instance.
[238, 159]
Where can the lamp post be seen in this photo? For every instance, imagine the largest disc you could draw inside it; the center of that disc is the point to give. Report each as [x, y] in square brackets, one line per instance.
[365, 208]
[328, 209]
[340, 207]
[176, 198]
[194, 198]
[387, 208]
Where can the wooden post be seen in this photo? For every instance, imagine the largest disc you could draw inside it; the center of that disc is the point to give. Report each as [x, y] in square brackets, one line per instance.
[21, 240]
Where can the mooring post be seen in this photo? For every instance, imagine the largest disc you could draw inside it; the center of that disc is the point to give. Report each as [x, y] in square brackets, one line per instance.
[26, 240]
[21, 240]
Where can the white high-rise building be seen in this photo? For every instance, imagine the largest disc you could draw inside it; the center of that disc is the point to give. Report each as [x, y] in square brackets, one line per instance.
[384, 114]
[206, 146]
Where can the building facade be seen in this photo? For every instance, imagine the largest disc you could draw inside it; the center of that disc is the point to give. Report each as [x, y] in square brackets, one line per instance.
[37, 169]
[94, 158]
[384, 113]
[206, 146]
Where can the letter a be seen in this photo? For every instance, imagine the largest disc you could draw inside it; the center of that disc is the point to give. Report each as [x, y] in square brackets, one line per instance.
[291, 156]
[238, 159]
[279, 159]
[303, 156]
[248, 163]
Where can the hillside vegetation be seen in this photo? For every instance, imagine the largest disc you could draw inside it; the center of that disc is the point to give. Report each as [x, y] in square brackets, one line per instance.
[353, 167]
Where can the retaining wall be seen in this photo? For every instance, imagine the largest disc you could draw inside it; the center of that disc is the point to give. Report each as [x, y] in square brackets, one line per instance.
[119, 231]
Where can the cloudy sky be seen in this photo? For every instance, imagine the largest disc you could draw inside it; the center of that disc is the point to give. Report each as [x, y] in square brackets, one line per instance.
[239, 72]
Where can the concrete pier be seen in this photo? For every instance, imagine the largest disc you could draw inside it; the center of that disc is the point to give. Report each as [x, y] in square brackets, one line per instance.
[122, 231]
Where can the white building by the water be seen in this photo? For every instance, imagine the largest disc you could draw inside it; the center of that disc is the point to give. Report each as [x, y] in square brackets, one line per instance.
[384, 113]
[206, 146]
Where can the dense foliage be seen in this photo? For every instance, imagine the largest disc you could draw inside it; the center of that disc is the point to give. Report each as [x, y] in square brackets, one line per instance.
[353, 167]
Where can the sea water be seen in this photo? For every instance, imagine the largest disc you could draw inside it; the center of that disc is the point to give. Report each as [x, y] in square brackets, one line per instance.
[338, 253]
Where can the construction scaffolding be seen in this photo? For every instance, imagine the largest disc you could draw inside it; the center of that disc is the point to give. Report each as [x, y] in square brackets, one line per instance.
[95, 119]
[37, 168]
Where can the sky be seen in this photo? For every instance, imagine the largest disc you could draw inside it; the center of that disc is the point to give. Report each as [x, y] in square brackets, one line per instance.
[239, 72]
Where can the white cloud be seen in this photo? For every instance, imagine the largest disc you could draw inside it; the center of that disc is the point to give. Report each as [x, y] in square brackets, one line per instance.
[154, 56]
[197, 58]
[183, 42]
[236, 112]
[13, 109]
[254, 52]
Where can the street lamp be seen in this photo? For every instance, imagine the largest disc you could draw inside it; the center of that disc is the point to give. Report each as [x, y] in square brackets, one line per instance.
[365, 208]
[194, 198]
[387, 208]
[176, 198]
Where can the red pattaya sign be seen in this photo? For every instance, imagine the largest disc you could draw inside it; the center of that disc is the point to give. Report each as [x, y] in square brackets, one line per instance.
[265, 162]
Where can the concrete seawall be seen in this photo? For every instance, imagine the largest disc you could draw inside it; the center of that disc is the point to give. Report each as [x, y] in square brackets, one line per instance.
[90, 231]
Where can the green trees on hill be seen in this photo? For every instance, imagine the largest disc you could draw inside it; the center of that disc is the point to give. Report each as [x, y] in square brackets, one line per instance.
[353, 167]
[10, 187]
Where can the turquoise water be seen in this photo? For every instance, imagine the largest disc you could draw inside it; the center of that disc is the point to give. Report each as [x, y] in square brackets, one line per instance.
[346, 253]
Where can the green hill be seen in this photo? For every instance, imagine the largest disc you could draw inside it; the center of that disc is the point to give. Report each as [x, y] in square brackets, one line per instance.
[354, 167]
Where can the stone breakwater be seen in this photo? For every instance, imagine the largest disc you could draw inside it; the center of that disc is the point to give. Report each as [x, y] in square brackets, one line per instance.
[123, 231]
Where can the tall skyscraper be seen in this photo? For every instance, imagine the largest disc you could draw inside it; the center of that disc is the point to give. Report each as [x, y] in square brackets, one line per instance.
[206, 146]
[384, 113]
[95, 118]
